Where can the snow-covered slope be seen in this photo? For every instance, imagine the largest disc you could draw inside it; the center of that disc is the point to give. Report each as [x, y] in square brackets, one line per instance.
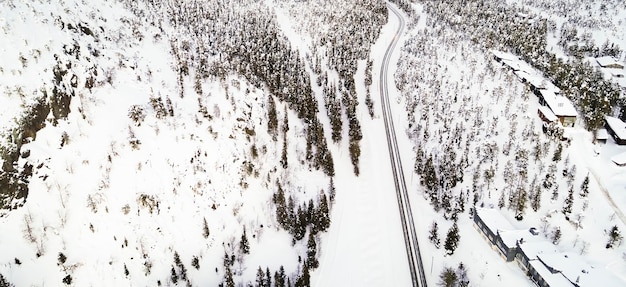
[151, 178]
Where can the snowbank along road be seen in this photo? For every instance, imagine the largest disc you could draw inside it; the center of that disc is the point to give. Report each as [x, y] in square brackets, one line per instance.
[408, 227]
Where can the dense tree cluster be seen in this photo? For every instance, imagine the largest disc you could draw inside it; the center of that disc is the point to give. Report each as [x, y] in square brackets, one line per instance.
[314, 216]
[343, 32]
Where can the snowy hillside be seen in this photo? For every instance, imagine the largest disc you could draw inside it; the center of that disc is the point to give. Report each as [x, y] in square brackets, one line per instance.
[137, 165]
[242, 143]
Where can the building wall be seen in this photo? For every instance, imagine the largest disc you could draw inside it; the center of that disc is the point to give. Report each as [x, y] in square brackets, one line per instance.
[567, 121]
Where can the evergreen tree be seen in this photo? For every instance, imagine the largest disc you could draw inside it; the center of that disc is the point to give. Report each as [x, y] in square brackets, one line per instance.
[268, 277]
[244, 246]
[461, 275]
[331, 191]
[452, 239]
[584, 187]
[5, 283]
[305, 279]
[279, 277]
[434, 234]
[205, 229]
[173, 275]
[569, 202]
[501, 201]
[323, 217]
[228, 278]
[556, 235]
[260, 278]
[557, 153]
[283, 157]
[300, 224]
[521, 198]
[272, 123]
[291, 214]
[615, 237]
[447, 278]
[311, 253]
[282, 216]
[535, 201]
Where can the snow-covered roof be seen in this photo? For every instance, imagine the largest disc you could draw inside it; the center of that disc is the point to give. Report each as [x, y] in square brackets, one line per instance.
[602, 134]
[511, 237]
[494, 219]
[560, 105]
[608, 61]
[547, 113]
[503, 55]
[538, 81]
[619, 159]
[576, 269]
[553, 279]
[618, 127]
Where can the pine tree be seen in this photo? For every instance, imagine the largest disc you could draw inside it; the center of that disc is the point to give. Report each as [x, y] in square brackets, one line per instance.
[205, 229]
[520, 202]
[461, 275]
[173, 275]
[268, 277]
[557, 153]
[272, 123]
[282, 216]
[331, 191]
[311, 252]
[448, 278]
[434, 235]
[615, 237]
[279, 277]
[228, 278]
[260, 278]
[584, 187]
[244, 246]
[283, 157]
[5, 283]
[569, 202]
[305, 279]
[300, 224]
[556, 236]
[535, 201]
[323, 217]
[452, 239]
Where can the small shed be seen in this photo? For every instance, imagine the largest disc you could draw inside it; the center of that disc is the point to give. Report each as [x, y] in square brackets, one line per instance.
[602, 135]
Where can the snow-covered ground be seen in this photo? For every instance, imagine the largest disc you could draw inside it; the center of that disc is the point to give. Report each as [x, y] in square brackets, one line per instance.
[118, 198]
[364, 245]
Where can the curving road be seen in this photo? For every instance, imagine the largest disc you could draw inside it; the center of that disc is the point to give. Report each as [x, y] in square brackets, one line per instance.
[416, 267]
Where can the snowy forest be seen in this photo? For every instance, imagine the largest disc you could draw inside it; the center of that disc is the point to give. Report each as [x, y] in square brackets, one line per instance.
[210, 142]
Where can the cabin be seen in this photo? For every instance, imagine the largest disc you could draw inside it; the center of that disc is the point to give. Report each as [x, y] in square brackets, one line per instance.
[560, 106]
[616, 128]
[609, 62]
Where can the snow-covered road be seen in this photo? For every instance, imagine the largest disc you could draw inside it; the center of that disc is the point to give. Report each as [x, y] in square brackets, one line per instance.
[364, 246]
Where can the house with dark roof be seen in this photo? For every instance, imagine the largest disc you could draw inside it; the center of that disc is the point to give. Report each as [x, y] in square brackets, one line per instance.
[542, 262]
